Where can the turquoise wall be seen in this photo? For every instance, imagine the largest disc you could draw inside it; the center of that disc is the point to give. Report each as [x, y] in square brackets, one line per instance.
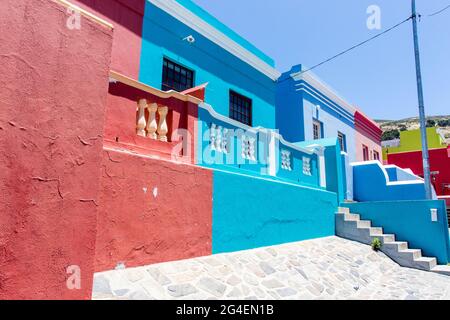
[410, 221]
[251, 212]
[162, 37]
[334, 165]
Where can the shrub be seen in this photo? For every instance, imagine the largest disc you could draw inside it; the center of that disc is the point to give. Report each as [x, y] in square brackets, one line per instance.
[376, 244]
[390, 135]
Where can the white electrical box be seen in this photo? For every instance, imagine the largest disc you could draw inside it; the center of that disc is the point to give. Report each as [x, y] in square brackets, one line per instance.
[434, 215]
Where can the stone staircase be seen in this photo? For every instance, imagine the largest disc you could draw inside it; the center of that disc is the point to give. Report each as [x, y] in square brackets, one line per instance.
[350, 226]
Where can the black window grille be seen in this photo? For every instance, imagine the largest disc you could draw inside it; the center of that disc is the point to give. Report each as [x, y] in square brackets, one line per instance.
[176, 77]
[240, 108]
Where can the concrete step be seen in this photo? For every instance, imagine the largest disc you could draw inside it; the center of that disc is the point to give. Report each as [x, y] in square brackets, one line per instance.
[444, 270]
[412, 254]
[343, 210]
[350, 226]
[395, 245]
[425, 263]
[366, 224]
[376, 231]
[352, 217]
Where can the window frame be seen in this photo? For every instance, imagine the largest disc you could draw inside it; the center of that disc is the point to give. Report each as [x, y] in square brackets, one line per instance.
[377, 157]
[343, 142]
[366, 156]
[319, 129]
[236, 111]
[177, 76]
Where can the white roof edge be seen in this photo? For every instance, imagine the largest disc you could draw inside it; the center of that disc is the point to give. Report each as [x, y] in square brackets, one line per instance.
[188, 18]
[326, 89]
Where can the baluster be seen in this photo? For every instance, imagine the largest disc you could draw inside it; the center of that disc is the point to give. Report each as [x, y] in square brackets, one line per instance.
[224, 145]
[162, 126]
[140, 125]
[212, 136]
[152, 125]
[219, 139]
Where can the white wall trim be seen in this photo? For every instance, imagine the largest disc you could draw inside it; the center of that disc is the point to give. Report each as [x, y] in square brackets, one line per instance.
[325, 89]
[326, 103]
[188, 18]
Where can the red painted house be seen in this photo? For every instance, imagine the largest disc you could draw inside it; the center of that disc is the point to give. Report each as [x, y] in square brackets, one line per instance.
[439, 166]
[367, 137]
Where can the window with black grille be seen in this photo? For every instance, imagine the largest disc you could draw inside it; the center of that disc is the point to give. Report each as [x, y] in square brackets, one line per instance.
[240, 108]
[176, 77]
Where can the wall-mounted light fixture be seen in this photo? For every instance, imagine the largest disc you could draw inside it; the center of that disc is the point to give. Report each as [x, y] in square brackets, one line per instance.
[190, 39]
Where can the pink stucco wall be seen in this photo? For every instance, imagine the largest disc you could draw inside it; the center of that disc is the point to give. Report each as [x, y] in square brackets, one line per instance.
[54, 84]
[127, 18]
[367, 133]
[152, 211]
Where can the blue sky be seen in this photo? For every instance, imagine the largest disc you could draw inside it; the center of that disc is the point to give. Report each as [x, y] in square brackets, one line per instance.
[379, 77]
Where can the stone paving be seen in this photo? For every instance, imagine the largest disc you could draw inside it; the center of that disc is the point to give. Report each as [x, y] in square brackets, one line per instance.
[327, 268]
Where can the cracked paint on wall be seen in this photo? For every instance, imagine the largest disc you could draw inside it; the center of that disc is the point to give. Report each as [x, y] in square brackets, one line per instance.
[171, 222]
[51, 115]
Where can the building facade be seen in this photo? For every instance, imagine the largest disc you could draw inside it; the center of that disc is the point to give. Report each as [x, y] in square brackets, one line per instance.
[367, 138]
[407, 153]
[118, 127]
[308, 109]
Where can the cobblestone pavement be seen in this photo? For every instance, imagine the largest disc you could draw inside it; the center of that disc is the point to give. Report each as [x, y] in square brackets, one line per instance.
[328, 268]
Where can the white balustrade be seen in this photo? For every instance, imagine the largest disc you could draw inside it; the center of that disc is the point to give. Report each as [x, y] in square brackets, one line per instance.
[152, 125]
[162, 125]
[286, 160]
[141, 123]
[212, 136]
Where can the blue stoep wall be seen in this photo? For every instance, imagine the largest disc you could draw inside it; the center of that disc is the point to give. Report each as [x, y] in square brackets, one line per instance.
[162, 37]
[371, 182]
[250, 212]
[297, 103]
[233, 160]
[410, 221]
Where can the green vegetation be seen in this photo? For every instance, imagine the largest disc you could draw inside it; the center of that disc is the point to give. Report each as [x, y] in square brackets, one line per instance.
[376, 244]
[444, 123]
[390, 135]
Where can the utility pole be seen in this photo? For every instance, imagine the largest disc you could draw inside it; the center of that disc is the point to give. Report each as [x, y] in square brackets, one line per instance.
[423, 129]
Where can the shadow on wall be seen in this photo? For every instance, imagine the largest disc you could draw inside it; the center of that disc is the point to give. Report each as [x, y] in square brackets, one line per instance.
[121, 12]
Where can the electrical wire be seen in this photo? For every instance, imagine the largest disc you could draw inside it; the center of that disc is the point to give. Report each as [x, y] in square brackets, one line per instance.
[357, 46]
[439, 11]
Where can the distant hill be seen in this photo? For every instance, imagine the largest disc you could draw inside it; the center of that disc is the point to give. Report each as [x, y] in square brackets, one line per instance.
[391, 128]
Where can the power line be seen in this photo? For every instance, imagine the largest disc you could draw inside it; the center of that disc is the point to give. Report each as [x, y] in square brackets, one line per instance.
[358, 45]
[440, 11]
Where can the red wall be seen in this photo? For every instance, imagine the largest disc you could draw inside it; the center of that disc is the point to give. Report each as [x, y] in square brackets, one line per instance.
[127, 18]
[52, 101]
[367, 128]
[138, 224]
[120, 126]
[439, 161]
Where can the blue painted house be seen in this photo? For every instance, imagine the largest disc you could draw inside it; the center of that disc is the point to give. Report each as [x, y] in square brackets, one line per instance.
[308, 109]
[183, 46]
